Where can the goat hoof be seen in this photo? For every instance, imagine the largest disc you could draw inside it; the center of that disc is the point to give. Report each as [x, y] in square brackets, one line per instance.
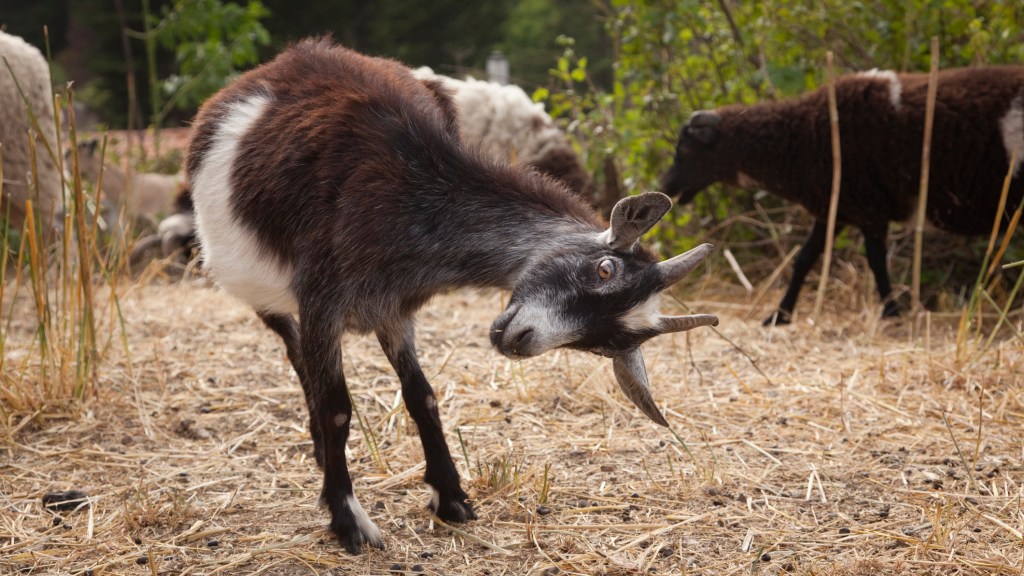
[778, 318]
[353, 527]
[456, 509]
[355, 540]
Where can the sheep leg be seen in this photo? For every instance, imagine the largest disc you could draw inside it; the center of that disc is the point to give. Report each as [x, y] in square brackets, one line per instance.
[288, 329]
[805, 259]
[331, 410]
[875, 247]
[448, 501]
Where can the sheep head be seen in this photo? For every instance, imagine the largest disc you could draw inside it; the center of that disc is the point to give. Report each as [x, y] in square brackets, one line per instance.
[600, 293]
[693, 167]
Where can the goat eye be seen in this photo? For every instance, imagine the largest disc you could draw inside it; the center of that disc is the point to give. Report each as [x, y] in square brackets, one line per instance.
[606, 269]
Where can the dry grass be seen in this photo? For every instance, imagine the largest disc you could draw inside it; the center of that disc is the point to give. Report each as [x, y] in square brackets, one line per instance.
[849, 449]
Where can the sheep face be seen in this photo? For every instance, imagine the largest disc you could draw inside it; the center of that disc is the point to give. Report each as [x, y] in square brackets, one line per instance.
[601, 295]
[694, 166]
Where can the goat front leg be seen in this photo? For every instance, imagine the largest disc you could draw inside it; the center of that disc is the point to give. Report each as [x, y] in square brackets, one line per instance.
[331, 411]
[449, 501]
[875, 247]
[288, 329]
[805, 260]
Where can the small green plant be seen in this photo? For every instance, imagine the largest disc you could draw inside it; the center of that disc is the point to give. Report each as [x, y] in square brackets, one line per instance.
[212, 41]
[500, 473]
[545, 484]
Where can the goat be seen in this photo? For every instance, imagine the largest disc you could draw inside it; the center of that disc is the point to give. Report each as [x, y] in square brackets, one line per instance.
[32, 74]
[784, 147]
[334, 186]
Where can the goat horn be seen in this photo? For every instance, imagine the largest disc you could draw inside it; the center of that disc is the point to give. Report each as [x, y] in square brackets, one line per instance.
[673, 269]
[669, 324]
[631, 375]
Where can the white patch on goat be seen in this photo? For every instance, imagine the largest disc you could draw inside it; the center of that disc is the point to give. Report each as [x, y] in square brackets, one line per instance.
[1012, 127]
[551, 328]
[230, 249]
[745, 181]
[431, 402]
[340, 419]
[645, 316]
[895, 86]
[435, 499]
[366, 526]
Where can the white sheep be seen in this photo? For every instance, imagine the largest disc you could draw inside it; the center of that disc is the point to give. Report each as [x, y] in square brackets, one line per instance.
[506, 124]
[33, 76]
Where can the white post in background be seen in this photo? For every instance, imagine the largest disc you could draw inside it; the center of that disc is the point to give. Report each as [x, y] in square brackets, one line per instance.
[497, 67]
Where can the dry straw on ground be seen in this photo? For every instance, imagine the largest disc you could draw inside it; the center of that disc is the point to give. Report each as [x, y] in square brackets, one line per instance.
[849, 448]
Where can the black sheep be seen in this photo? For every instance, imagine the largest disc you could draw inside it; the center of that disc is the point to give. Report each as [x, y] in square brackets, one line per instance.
[785, 148]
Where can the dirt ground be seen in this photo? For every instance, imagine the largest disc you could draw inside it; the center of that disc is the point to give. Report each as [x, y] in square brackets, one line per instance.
[844, 446]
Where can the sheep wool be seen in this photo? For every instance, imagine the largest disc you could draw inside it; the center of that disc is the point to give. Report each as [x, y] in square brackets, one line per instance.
[507, 125]
[33, 75]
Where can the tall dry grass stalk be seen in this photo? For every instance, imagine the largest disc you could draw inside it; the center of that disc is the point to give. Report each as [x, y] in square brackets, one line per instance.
[57, 285]
[837, 174]
[972, 327]
[926, 154]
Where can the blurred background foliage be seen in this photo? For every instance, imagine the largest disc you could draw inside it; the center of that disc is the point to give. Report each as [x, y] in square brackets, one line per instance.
[674, 57]
[200, 44]
[621, 75]
[630, 70]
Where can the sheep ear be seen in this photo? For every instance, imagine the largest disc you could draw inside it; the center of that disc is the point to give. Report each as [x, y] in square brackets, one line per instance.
[703, 127]
[632, 217]
[631, 375]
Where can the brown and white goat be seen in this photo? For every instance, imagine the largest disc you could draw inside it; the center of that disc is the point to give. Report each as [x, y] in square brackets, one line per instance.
[333, 186]
[784, 148]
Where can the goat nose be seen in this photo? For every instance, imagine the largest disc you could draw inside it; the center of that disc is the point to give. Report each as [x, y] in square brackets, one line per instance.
[522, 339]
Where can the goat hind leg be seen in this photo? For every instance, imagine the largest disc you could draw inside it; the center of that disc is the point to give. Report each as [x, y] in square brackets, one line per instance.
[449, 501]
[331, 410]
[288, 329]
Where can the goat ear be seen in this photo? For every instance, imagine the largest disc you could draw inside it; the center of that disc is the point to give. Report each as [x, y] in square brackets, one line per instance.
[703, 127]
[631, 375]
[633, 216]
